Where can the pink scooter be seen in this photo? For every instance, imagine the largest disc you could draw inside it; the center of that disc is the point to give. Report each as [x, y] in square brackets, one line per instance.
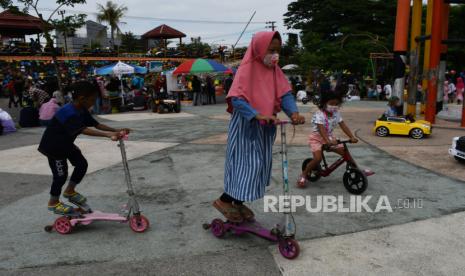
[84, 215]
[282, 234]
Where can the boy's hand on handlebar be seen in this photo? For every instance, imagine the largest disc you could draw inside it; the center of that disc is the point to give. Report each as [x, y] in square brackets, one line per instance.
[353, 140]
[297, 119]
[125, 130]
[114, 136]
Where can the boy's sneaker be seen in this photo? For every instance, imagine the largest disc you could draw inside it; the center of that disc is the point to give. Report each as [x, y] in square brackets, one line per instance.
[76, 198]
[61, 209]
[302, 182]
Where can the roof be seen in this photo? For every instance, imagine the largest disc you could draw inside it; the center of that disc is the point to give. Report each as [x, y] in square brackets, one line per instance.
[19, 24]
[163, 32]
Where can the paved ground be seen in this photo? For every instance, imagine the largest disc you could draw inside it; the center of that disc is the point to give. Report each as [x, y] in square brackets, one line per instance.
[176, 186]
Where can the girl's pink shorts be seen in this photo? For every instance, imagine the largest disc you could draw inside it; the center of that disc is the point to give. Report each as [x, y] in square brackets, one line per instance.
[316, 142]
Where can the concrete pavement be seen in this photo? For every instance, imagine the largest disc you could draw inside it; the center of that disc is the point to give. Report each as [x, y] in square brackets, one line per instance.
[176, 186]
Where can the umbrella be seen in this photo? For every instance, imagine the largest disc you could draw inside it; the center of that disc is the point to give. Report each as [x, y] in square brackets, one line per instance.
[291, 67]
[200, 65]
[120, 69]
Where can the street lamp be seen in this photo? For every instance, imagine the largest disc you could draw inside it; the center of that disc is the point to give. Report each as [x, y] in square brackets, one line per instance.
[65, 35]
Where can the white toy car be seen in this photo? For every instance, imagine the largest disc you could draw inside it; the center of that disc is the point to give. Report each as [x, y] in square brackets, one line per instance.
[458, 149]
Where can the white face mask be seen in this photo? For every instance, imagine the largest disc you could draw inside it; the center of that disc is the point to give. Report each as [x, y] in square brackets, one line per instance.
[271, 60]
[332, 108]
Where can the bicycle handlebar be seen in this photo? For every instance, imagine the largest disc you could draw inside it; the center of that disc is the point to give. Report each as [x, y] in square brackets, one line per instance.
[280, 122]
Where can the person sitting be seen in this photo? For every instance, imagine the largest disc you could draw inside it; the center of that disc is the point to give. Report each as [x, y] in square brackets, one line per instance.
[7, 124]
[393, 103]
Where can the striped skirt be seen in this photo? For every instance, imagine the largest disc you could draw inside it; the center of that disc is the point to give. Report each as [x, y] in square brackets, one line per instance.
[248, 158]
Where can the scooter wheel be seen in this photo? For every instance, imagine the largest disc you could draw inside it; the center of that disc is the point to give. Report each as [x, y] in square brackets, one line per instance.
[139, 223]
[62, 225]
[217, 228]
[289, 248]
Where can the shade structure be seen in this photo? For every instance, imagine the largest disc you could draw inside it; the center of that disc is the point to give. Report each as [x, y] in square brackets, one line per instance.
[163, 32]
[17, 24]
[291, 67]
[195, 66]
[120, 69]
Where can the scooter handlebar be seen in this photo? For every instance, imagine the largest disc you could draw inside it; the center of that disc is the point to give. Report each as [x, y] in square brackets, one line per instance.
[279, 122]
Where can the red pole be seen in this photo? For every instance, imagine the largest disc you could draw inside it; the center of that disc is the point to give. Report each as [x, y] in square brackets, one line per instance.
[435, 55]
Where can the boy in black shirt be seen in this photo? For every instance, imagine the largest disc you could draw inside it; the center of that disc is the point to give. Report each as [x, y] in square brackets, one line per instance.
[58, 144]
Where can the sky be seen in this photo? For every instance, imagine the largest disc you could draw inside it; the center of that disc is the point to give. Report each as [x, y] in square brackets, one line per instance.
[154, 11]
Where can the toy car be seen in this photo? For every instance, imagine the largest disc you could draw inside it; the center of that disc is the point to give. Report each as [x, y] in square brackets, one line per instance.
[385, 126]
[457, 150]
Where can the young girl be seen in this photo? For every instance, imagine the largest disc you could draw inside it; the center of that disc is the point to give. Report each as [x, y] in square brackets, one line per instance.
[324, 121]
[460, 90]
[258, 93]
[58, 144]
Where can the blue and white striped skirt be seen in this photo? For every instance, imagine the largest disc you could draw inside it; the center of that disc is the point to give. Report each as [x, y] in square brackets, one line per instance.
[249, 157]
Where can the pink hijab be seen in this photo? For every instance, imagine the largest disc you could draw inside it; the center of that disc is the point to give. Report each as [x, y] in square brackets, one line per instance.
[260, 86]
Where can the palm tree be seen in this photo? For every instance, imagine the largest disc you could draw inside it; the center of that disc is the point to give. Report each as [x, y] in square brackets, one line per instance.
[112, 14]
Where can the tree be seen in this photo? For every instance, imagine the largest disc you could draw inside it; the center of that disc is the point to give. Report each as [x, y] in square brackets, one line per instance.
[339, 34]
[456, 52]
[69, 22]
[129, 42]
[112, 14]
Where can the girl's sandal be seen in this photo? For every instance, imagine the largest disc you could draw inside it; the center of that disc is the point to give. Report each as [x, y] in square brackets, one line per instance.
[301, 183]
[245, 211]
[228, 210]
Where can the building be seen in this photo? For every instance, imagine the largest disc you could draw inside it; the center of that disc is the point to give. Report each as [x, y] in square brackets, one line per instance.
[96, 36]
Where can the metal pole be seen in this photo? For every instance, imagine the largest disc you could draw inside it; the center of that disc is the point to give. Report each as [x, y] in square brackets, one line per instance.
[400, 49]
[430, 113]
[414, 57]
[245, 28]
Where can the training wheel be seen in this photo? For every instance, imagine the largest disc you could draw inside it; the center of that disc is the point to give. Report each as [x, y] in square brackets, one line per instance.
[48, 228]
[217, 228]
[139, 223]
[62, 225]
[289, 248]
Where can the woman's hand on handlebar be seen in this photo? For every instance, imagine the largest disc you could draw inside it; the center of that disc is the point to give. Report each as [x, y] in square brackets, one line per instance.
[267, 119]
[297, 119]
[353, 140]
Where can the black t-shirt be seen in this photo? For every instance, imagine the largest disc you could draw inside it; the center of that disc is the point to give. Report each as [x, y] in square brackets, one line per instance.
[58, 139]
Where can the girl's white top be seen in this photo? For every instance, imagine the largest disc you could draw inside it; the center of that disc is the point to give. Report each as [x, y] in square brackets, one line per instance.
[329, 123]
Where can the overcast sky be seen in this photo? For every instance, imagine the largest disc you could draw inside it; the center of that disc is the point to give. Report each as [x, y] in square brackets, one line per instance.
[209, 10]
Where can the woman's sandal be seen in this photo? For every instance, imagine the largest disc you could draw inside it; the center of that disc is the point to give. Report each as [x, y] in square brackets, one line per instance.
[246, 213]
[229, 211]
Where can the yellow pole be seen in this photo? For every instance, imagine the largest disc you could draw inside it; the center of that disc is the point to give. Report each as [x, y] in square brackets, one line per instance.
[414, 55]
[429, 24]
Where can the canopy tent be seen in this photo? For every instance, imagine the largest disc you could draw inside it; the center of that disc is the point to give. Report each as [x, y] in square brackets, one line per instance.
[120, 69]
[291, 67]
[17, 24]
[163, 32]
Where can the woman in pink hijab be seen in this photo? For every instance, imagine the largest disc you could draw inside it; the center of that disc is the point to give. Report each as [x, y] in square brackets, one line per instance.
[460, 89]
[259, 91]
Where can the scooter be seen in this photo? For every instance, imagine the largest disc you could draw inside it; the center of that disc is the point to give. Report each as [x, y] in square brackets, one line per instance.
[355, 180]
[282, 234]
[84, 215]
